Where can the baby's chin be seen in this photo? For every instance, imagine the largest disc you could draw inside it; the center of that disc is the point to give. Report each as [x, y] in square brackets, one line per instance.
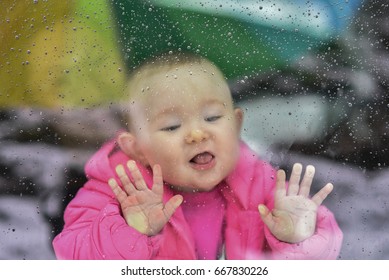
[195, 188]
[198, 182]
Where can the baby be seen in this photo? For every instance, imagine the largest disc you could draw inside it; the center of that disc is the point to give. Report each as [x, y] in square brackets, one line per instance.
[181, 184]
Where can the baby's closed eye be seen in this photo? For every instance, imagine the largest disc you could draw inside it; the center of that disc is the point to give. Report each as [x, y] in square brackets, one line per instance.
[171, 127]
[213, 118]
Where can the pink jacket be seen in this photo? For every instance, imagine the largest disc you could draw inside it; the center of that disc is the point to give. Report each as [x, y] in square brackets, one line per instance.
[95, 229]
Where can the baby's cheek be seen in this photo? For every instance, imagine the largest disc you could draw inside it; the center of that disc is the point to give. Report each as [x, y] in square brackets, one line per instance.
[165, 156]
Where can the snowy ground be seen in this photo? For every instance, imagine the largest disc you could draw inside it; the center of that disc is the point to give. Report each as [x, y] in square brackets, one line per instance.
[24, 233]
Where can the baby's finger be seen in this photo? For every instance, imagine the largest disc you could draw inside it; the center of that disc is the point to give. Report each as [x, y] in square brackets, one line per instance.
[322, 194]
[294, 181]
[280, 185]
[172, 205]
[306, 183]
[128, 186]
[136, 175]
[157, 180]
[119, 193]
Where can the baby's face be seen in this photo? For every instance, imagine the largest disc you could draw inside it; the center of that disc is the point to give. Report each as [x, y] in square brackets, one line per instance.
[184, 120]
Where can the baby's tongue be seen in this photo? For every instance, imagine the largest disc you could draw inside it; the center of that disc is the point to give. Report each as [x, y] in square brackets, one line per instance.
[202, 158]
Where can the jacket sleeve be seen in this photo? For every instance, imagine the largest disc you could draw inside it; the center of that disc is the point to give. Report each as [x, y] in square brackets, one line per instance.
[95, 229]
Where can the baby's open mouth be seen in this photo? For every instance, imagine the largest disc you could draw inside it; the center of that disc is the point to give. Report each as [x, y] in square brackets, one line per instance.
[203, 161]
[203, 158]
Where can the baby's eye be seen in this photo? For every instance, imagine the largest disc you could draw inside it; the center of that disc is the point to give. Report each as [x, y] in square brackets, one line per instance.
[212, 118]
[171, 128]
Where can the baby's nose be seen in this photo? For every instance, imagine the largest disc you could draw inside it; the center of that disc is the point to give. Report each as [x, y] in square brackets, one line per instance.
[196, 136]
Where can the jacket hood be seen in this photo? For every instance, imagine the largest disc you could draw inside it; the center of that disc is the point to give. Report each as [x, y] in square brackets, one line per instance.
[99, 166]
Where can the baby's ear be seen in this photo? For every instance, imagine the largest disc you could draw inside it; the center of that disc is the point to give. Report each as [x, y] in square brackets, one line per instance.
[239, 117]
[129, 145]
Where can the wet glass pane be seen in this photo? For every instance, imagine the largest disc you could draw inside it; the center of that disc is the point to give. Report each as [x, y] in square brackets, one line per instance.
[310, 76]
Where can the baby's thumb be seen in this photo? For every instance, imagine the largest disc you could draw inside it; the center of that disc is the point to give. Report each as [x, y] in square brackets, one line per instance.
[263, 210]
[172, 205]
[265, 214]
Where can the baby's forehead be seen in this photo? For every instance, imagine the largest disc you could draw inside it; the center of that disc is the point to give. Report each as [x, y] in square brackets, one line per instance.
[161, 79]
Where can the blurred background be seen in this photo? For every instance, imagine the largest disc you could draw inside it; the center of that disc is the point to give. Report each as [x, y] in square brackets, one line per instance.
[311, 76]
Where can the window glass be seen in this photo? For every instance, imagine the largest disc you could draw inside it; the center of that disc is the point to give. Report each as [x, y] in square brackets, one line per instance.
[310, 76]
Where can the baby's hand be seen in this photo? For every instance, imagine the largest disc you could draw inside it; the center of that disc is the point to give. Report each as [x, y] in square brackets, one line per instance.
[293, 218]
[143, 208]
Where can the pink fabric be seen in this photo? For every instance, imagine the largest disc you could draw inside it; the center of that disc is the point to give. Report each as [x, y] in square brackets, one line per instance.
[95, 229]
[204, 213]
